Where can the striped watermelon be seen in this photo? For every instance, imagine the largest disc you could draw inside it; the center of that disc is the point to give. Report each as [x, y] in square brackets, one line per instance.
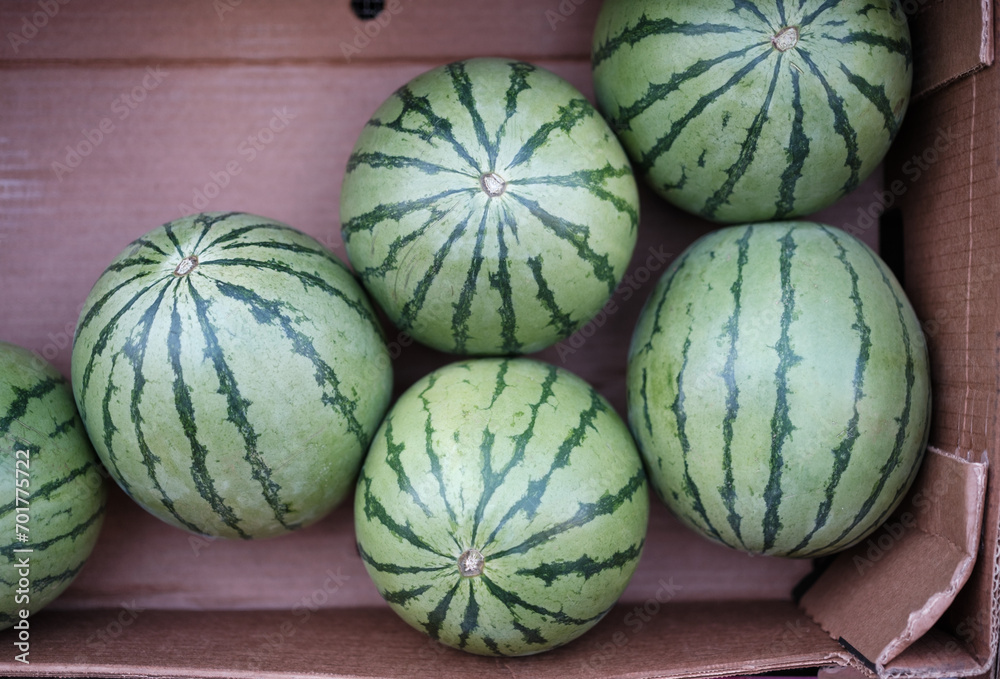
[778, 387]
[53, 485]
[502, 507]
[752, 110]
[231, 372]
[488, 208]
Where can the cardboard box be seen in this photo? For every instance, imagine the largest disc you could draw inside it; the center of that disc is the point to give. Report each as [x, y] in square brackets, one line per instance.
[117, 117]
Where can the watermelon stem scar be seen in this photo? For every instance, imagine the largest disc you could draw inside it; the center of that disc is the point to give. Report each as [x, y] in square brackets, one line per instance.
[470, 564]
[493, 184]
[186, 266]
[785, 39]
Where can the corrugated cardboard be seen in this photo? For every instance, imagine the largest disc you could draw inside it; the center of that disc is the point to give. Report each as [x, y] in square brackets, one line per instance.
[198, 78]
[878, 597]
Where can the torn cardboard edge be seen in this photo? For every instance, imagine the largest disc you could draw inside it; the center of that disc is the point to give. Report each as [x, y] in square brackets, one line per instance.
[938, 62]
[884, 593]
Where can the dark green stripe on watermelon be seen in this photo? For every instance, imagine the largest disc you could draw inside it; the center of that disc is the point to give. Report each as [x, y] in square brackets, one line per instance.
[135, 353]
[281, 285]
[781, 422]
[23, 399]
[463, 307]
[842, 453]
[185, 411]
[569, 116]
[578, 236]
[666, 76]
[7, 550]
[463, 90]
[747, 150]
[528, 503]
[902, 431]
[728, 489]
[621, 120]
[515, 482]
[374, 510]
[795, 154]
[584, 566]
[841, 124]
[798, 473]
[585, 513]
[562, 321]
[646, 28]
[432, 456]
[648, 159]
[507, 132]
[438, 126]
[500, 280]
[689, 487]
[237, 405]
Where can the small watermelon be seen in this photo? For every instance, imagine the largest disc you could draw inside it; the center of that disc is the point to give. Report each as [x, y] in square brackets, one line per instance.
[231, 373]
[53, 486]
[779, 389]
[488, 208]
[757, 109]
[502, 507]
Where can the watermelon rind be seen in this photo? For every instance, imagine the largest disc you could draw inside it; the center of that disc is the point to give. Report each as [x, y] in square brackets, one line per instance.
[779, 389]
[488, 208]
[52, 487]
[231, 371]
[753, 110]
[502, 508]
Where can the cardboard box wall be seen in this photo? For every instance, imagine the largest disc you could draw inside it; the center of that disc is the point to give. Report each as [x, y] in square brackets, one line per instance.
[179, 91]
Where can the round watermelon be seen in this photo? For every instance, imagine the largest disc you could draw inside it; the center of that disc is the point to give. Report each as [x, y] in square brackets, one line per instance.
[231, 372]
[753, 110]
[502, 507]
[53, 486]
[779, 390]
[488, 208]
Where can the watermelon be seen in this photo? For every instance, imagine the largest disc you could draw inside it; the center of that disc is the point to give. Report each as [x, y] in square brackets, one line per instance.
[488, 208]
[231, 372]
[753, 110]
[779, 389]
[54, 490]
[502, 507]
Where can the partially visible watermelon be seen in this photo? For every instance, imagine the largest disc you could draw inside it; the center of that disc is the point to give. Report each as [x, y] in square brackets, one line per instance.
[53, 487]
[779, 389]
[502, 508]
[231, 372]
[488, 208]
[757, 109]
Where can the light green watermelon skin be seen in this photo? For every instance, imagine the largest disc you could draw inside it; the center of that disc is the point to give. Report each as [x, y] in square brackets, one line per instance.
[524, 462]
[725, 125]
[779, 389]
[238, 399]
[472, 274]
[60, 477]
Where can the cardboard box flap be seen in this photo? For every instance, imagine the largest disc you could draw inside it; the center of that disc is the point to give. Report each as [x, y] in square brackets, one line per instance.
[942, 56]
[878, 597]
